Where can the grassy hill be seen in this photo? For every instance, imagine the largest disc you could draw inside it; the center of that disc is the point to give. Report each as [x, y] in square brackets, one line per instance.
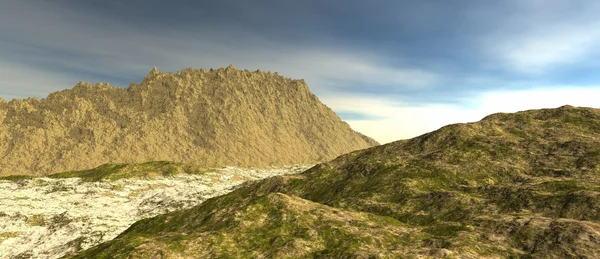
[524, 185]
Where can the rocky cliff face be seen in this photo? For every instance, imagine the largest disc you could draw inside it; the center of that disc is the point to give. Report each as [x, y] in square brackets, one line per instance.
[213, 118]
[512, 185]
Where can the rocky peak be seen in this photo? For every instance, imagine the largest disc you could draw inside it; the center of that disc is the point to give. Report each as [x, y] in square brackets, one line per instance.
[151, 75]
[81, 84]
[153, 72]
[103, 85]
[230, 68]
[217, 118]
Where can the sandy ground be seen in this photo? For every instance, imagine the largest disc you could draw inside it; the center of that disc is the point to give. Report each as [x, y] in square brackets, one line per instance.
[49, 218]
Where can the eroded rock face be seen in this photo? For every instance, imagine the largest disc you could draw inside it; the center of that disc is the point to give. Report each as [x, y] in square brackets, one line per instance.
[217, 118]
[49, 218]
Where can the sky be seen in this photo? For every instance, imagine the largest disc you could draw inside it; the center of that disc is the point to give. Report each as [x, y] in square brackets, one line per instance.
[393, 69]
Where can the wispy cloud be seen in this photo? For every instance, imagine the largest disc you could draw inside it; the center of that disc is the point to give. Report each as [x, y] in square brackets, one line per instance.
[549, 96]
[397, 122]
[538, 52]
[333, 69]
[20, 82]
[358, 116]
[393, 69]
[60, 41]
[536, 37]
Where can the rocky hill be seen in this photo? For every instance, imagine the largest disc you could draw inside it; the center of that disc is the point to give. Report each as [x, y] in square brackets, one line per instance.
[511, 185]
[211, 118]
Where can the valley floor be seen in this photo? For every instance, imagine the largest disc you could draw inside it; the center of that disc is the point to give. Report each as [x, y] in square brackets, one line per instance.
[49, 218]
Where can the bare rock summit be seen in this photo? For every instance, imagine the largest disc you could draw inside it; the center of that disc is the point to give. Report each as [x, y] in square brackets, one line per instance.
[211, 118]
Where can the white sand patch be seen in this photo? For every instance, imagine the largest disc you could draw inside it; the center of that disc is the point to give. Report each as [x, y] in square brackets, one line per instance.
[49, 218]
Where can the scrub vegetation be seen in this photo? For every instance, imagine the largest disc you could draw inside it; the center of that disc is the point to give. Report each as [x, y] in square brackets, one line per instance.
[511, 185]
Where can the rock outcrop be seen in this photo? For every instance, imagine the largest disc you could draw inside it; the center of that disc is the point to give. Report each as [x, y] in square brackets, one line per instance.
[512, 185]
[211, 118]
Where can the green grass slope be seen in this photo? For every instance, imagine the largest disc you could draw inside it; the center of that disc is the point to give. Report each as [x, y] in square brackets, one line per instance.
[511, 185]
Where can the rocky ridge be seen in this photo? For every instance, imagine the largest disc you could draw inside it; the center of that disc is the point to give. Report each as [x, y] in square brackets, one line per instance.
[511, 185]
[212, 118]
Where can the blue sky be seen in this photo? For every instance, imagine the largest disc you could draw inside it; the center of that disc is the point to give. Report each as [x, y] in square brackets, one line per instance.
[392, 69]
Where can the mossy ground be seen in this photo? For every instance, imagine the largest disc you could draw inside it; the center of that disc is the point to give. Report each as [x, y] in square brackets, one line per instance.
[113, 172]
[511, 185]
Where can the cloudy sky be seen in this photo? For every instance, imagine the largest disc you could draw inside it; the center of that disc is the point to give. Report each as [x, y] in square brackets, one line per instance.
[393, 69]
